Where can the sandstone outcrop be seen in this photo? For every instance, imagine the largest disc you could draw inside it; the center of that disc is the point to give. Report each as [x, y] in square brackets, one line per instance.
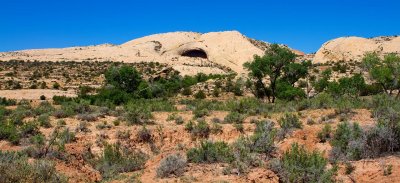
[187, 52]
[354, 48]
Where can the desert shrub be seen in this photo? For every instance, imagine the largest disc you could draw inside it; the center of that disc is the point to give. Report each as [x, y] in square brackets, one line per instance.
[44, 121]
[9, 131]
[200, 95]
[7, 102]
[72, 108]
[187, 91]
[264, 137]
[14, 167]
[204, 104]
[287, 123]
[210, 152]
[371, 89]
[64, 137]
[198, 113]
[200, 130]
[248, 105]
[299, 165]
[189, 126]
[44, 108]
[87, 117]
[58, 100]
[61, 122]
[56, 86]
[387, 170]
[244, 157]
[29, 128]
[42, 97]
[237, 87]
[137, 114]
[20, 113]
[375, 142]
[349, 168]
[234, 117]
[179, 120]
[171, 117]
[116, 159]
[144, 135]
[344, 141]
[323, 100]
[103, 125]
[344, 105]
[126, 134]
[82, 127]
[216, 92]
[116, 122]
[171, 165]
[239, 127]
[216, 128]
[60, 114]
[325, 133]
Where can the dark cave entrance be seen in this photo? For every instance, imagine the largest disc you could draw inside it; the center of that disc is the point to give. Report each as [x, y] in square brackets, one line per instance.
[195, 53]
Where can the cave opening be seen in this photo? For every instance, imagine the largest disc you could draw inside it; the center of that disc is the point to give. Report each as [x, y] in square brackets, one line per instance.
[195, 54]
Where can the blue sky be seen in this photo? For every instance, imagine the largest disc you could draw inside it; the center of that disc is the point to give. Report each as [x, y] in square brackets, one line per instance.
[303, 25]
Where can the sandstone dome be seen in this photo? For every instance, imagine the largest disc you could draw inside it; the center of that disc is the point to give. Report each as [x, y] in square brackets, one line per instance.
[354, 48]
[187, 52]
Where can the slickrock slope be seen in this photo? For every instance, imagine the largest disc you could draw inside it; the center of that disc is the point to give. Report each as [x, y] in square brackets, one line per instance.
[188, 52]
[353, 48]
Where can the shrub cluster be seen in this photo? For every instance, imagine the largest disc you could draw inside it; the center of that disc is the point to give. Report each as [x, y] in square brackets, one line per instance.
[14, 167]
[299, 165]
[173, 164]
[116, 159]
[211, 152]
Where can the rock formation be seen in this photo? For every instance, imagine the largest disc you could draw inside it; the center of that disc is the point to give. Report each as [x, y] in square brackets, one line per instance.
[353, 48]
[187, 52]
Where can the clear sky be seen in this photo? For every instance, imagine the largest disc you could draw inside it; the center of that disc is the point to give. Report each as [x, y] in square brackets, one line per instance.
[303, 25]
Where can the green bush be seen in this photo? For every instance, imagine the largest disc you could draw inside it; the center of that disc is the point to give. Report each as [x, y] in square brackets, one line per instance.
[325, 133]
[44, 108]
[343, 139]
[137, 114]
[199, 113]
[289, 121]
[58, 100]
[116, 159]
[14, 167]
[264, 137]
[216, 128]
[244, 157]
[187, 91]
[299, 165]
[7, 102]
[9, 132]
[210, 152]
[44, 121]
[200, 95]
[125, 77]
[199, 130]
[171, 165]
[234, 117]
